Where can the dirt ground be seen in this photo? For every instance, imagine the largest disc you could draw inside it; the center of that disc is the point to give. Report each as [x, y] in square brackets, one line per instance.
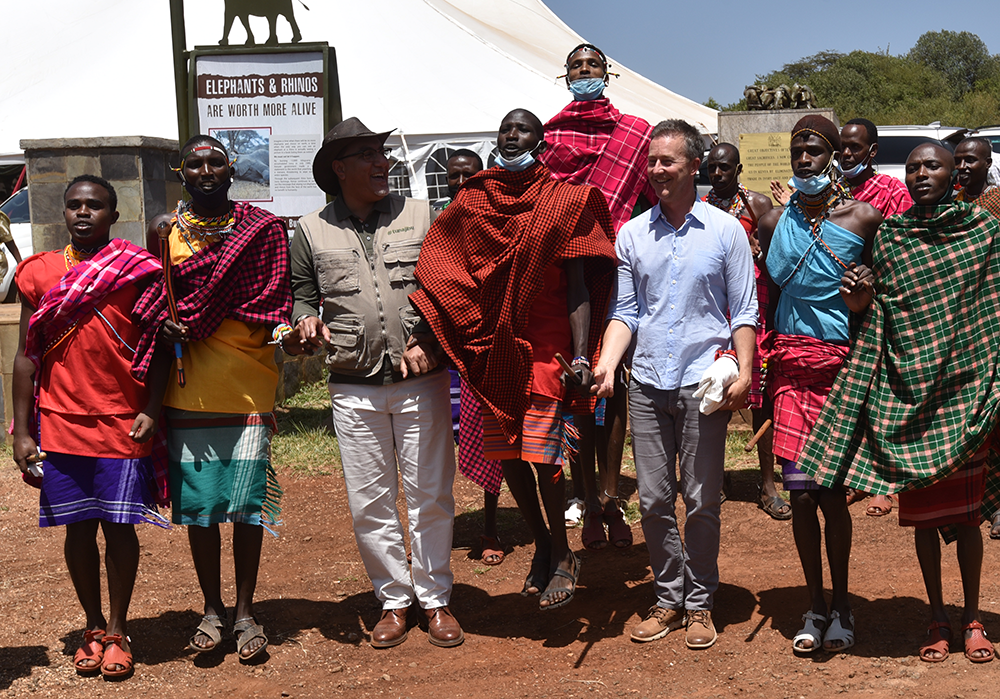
[317, 605]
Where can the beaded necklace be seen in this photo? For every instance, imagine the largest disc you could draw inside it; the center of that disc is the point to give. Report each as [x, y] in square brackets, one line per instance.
[73, 256]
[837, 195]
[734, 205]
[202, 226]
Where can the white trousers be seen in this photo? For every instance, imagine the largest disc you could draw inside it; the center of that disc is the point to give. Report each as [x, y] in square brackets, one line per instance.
[406, 426]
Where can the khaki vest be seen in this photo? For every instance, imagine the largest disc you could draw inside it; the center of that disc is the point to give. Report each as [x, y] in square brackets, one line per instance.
[365, 302]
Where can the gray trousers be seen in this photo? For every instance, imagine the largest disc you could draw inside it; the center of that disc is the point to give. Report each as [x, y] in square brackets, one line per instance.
[667, 426]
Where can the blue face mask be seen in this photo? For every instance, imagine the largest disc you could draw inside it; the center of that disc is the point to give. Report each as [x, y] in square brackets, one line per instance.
[810, 186]
[586, 89]
[518, 163]
[856, 170]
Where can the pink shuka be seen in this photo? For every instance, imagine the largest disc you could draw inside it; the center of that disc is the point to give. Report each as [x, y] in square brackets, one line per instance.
[591, 142]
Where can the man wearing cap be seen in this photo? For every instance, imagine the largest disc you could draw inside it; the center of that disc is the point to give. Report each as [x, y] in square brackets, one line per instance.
[808, 246]
[352, 269]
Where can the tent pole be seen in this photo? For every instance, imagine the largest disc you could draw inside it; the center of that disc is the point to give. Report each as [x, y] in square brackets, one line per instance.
[179, 41]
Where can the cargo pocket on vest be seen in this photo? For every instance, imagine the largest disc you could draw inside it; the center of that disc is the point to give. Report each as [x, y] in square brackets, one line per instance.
[338, 272]
[409, 319]
[347, 337]
[401, 262]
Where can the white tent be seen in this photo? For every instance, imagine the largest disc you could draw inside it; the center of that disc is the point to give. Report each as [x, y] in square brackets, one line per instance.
[441, 72]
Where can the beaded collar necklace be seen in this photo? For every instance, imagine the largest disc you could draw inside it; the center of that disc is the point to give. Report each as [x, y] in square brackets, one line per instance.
[836, 195]
[73, 255]
[733, 205]
[203, 226]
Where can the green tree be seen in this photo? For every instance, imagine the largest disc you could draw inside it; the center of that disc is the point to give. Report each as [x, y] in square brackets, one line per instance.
[961, 57]
[711, 103]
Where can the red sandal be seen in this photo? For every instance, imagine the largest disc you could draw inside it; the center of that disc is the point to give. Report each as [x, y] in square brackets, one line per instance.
[114, 654]
[978, 641]
[593, 535]
[619, 532]
[92, 649]
[936, 641]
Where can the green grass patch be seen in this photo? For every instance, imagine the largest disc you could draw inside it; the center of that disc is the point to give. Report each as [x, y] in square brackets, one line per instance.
[304, 443]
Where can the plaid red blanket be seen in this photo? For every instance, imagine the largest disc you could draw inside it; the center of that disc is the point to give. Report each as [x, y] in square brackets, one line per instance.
[245, 277]
[920, 390]
[591, 142]
[801, 372]
[481, 267]
[117, 265]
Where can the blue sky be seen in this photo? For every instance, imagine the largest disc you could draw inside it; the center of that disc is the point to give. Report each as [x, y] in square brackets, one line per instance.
[715, 49]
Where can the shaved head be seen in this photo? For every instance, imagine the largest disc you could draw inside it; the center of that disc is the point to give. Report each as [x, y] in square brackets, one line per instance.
[725, 151]
[528, 117]
[929, 171]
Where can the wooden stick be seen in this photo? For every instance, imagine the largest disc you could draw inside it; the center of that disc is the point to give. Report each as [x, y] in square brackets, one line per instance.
[760, 433]
[163, 230]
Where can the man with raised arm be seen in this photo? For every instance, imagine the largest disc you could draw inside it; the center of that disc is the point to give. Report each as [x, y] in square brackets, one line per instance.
[729, 195]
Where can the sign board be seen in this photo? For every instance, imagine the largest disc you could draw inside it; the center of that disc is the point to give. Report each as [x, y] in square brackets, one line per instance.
[270, 108]
[765, 157]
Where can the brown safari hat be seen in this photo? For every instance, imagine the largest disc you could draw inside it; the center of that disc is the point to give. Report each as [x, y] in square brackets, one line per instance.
[340, 135]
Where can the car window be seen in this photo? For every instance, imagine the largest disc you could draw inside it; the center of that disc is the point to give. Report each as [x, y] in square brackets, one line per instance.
[16, 207]
[894, 150]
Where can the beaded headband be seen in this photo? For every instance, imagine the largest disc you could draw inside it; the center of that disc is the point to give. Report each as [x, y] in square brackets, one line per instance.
[814, 131]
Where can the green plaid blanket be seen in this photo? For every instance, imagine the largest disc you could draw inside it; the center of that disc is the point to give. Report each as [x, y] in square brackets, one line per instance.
[919, 392]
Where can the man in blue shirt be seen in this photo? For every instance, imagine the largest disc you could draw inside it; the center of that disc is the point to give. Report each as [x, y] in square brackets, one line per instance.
[683, 267]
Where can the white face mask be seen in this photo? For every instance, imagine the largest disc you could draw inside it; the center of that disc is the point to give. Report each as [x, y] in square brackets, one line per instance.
[857, 169]
[518, 163]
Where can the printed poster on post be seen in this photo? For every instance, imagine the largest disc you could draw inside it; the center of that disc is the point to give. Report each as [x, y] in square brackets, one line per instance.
[267, 109]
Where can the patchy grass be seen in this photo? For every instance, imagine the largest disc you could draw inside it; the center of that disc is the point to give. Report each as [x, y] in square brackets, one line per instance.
[304, 442]
[632, 513]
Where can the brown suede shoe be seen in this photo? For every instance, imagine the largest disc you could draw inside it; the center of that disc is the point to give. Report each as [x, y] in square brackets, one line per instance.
[658, 623]
[391, 629]
[442, 628]
[700, 629]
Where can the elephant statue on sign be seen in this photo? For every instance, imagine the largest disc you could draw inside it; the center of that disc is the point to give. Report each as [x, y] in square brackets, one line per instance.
[260, 8]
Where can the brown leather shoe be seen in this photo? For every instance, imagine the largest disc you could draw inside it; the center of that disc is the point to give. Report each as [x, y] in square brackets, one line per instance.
[391, 629]
[442, 628]
[658, 623]
[700, 629]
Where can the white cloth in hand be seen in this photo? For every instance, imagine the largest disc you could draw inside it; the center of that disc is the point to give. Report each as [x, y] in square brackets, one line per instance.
[713, 383]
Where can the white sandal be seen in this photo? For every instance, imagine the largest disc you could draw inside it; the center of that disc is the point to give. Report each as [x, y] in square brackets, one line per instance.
[836, 632]
[574, 512]
[810, 632]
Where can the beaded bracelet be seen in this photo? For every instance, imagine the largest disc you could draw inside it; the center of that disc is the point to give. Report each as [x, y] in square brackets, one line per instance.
[580, 360]
[279, 332]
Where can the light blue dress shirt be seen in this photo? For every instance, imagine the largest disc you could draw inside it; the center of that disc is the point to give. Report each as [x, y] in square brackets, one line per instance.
[674, 288]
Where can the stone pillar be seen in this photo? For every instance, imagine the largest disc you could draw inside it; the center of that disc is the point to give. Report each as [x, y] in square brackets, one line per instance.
[732, 124]
[138, 167]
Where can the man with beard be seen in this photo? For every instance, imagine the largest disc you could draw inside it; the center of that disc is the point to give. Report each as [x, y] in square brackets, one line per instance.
[516, 271]
[807, 247]
[729, 195]
[916, 406]
[352, 268]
